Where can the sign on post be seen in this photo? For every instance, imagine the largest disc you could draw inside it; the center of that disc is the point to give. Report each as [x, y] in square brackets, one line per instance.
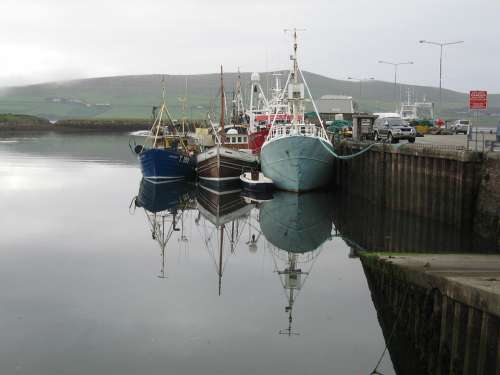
[478, 100]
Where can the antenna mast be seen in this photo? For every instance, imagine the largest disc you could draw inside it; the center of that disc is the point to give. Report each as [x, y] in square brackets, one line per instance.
[222, 108]
[295, 77]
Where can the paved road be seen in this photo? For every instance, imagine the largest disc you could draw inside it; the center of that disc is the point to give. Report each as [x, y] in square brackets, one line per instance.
[456, 140]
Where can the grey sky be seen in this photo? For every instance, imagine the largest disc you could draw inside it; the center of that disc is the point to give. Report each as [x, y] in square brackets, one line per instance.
[43, 40]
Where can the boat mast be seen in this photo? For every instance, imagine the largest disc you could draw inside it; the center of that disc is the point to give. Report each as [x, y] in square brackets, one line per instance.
[239, 100]
[220, 257]
[184, 103]
[222, 108]
[295, 77]
[295, 74]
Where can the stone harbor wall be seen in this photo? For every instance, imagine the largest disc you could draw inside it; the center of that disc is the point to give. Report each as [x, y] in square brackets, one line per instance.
[434, 323]
[457, 187]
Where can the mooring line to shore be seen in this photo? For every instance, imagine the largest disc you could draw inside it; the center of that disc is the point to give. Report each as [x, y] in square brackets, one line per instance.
[375, 370]
[352, 156]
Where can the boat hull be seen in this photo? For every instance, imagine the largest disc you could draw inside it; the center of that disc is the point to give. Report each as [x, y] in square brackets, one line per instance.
[166, 165]
[297, 163]
[262, 185]
[220, 167]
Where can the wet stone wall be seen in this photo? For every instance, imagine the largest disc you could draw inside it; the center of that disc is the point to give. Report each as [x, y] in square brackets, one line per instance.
[431, 182]
[487, 215]
[366, 226]
[431, 331]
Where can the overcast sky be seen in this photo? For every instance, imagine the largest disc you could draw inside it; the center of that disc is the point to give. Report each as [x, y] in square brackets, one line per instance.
[44, 40]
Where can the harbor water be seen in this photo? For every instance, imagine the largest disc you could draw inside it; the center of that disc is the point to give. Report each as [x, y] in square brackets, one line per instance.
[95, 281]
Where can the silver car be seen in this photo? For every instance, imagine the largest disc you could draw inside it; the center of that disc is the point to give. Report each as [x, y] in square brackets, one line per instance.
[393, 129]
[461, 126]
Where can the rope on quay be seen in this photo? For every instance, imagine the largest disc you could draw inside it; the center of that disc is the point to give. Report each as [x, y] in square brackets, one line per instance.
[348, 157]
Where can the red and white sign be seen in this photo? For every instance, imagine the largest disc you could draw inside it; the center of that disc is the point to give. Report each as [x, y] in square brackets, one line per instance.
[478, 100]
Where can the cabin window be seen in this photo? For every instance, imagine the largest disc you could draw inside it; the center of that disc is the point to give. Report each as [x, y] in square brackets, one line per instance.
[239, 139]
[233, 139]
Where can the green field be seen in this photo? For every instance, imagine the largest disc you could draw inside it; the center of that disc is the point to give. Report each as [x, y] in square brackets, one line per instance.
[133, 96]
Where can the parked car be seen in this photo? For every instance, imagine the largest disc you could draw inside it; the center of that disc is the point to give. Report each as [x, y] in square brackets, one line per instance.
[393, 129]
[461, 126]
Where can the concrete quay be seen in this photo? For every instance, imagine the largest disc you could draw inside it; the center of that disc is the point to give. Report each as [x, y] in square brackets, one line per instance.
[443, 311]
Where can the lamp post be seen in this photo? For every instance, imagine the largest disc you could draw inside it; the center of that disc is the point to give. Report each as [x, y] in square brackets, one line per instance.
[395, 65]
[441, 45]
[360, 80]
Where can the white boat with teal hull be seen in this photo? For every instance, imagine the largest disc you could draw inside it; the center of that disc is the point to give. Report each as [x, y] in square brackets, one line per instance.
[297, 162]
[297, 156]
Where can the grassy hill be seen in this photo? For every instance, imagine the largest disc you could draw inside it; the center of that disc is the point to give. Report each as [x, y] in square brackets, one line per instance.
[133, 96]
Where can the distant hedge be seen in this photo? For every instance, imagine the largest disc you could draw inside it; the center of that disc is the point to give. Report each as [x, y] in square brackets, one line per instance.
[11, 123]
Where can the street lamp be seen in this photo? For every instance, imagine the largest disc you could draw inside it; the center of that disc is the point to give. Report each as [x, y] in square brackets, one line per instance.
[360, 80]
[395, 65]
[441, 45]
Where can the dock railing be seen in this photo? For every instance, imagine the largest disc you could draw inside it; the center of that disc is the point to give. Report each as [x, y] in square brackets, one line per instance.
[307, 130]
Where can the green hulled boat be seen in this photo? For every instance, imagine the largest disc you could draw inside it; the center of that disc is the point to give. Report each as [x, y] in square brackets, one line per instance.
[297, 156]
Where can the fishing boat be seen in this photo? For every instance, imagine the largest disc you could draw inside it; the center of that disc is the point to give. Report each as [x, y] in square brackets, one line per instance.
[167, 155]
[220, 167]
[256, 185]
[257, 114]
[263, 113]
[297, 156]
[235, 133]
[236, 137]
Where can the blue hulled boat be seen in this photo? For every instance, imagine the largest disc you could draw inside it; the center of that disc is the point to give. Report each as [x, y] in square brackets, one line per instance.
[167, 154]
[167, 165]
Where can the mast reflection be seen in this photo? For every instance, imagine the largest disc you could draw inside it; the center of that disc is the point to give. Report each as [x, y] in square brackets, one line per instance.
[295, 226]
[223, 216]
[164, 207]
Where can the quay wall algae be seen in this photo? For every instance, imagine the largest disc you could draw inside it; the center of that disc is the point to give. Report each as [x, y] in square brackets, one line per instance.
[447, 185]
[440, 323]
[487, 215]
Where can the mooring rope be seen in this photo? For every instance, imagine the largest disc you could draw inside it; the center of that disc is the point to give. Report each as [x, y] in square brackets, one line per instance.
[375, 370]
[348, 157]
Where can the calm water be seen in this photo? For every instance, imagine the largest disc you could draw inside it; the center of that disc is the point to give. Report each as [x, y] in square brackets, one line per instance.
[85, 287]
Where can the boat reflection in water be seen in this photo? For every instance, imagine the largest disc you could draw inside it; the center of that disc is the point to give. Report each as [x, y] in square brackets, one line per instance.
[223, 218]
[165, 206]
[295, 226]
